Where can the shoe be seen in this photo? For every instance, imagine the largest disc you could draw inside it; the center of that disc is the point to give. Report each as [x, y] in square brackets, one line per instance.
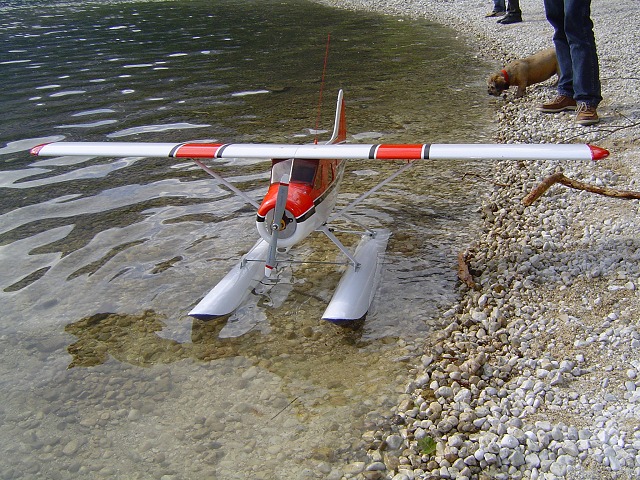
[558, 104]
[508, 18]
[586, 115]
[496, 13]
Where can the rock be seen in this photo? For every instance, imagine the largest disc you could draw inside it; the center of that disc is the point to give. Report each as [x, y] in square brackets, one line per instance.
[354, 468]
[71, 447]
[376, 466]
[532, 460]
[133, 415]
[509, 441]
[444, 392]
[517, 459]
[393, 442]
[558, 469]
[401, 476]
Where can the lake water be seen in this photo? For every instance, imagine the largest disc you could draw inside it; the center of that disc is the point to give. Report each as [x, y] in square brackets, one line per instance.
[103, 374]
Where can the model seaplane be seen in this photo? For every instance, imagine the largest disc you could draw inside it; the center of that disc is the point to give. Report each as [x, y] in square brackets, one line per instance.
[301, 198]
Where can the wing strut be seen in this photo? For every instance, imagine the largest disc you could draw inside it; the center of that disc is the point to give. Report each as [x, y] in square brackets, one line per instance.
[370, 192]
[227, 184]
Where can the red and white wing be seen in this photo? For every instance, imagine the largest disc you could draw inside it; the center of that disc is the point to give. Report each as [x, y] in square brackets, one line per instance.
[434, 151]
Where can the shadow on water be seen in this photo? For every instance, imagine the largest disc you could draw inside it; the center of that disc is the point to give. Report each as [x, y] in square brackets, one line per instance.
[134, 339]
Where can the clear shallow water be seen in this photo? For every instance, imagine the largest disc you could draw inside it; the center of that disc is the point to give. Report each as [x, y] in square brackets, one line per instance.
[102, 371]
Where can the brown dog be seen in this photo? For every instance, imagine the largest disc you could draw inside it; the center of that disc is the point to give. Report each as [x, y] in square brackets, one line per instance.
[525, 72]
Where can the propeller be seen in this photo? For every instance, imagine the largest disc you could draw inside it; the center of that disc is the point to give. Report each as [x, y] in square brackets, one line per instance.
[277, 224]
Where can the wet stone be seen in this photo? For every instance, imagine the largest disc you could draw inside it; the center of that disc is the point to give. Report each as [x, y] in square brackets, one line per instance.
[394, 442]
[71, 448]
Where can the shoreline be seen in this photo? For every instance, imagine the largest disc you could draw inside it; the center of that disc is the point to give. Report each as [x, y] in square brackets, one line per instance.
[537, 373]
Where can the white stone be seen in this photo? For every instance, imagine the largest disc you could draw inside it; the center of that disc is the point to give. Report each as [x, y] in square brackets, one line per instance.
[570, 448]
[532, 460]
[394, 442]
[558, 469]
[444, 391]
[509, 441]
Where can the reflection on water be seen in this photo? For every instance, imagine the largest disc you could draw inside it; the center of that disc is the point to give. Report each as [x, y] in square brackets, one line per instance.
[102, 258]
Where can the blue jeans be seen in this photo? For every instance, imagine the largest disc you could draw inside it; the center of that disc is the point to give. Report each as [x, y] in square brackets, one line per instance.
[576, 50]
[498, 6]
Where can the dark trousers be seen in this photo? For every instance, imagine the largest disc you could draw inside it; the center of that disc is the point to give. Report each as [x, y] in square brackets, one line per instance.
[513, 8]
[576, 49]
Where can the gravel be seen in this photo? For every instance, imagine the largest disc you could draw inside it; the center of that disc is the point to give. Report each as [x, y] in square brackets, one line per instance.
[535, 375]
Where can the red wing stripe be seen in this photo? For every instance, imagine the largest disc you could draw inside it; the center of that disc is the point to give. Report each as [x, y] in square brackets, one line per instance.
[408, 152]
[197, 150]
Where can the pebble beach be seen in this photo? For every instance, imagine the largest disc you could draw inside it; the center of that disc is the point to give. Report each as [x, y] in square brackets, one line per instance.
[535, 374]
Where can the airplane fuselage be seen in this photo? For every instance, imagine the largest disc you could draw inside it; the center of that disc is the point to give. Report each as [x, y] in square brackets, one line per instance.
[312, 195]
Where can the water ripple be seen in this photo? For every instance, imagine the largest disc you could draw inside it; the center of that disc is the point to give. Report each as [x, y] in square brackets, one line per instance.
[93, 171]
[74, 205]
[155, 128]
[28, 143]
[67, 93]
[98, 123]
[98, 111]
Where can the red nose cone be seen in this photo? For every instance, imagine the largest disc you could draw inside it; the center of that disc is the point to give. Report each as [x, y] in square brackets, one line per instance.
[598, 153]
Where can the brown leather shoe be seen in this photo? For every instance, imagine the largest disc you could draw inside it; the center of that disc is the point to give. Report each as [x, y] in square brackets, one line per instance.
[586, 115]
[558, 104]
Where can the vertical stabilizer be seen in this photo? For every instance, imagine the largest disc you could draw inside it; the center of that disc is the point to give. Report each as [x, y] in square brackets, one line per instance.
[340, 125]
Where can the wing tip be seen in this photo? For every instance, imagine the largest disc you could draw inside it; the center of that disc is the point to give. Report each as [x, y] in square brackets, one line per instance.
[35, 151]
[598, 153]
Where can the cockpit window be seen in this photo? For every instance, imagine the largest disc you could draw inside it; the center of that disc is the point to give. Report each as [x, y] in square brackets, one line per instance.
[280, 168]
[303, 171]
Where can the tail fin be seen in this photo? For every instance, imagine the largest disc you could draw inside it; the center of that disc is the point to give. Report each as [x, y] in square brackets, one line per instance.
[340, 125]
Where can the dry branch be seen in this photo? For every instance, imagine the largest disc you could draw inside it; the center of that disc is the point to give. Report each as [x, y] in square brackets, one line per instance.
[568, 182]
[463, 272]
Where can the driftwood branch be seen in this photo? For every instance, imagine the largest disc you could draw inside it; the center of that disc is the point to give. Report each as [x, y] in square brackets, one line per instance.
[463, 272]
[568, 182]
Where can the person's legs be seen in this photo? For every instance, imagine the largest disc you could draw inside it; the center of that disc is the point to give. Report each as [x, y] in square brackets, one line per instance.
[581, 40]
[498, 9]
[579, 80]
[514, 14]
[513, 8]
[555, 12]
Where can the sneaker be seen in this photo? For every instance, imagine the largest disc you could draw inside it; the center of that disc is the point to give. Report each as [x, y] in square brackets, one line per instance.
[496, 13]
[558, 104]
[509, 18]
[586, 115]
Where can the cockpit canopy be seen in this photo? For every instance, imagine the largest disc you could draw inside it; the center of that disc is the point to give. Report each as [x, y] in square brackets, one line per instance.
[299, 171]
